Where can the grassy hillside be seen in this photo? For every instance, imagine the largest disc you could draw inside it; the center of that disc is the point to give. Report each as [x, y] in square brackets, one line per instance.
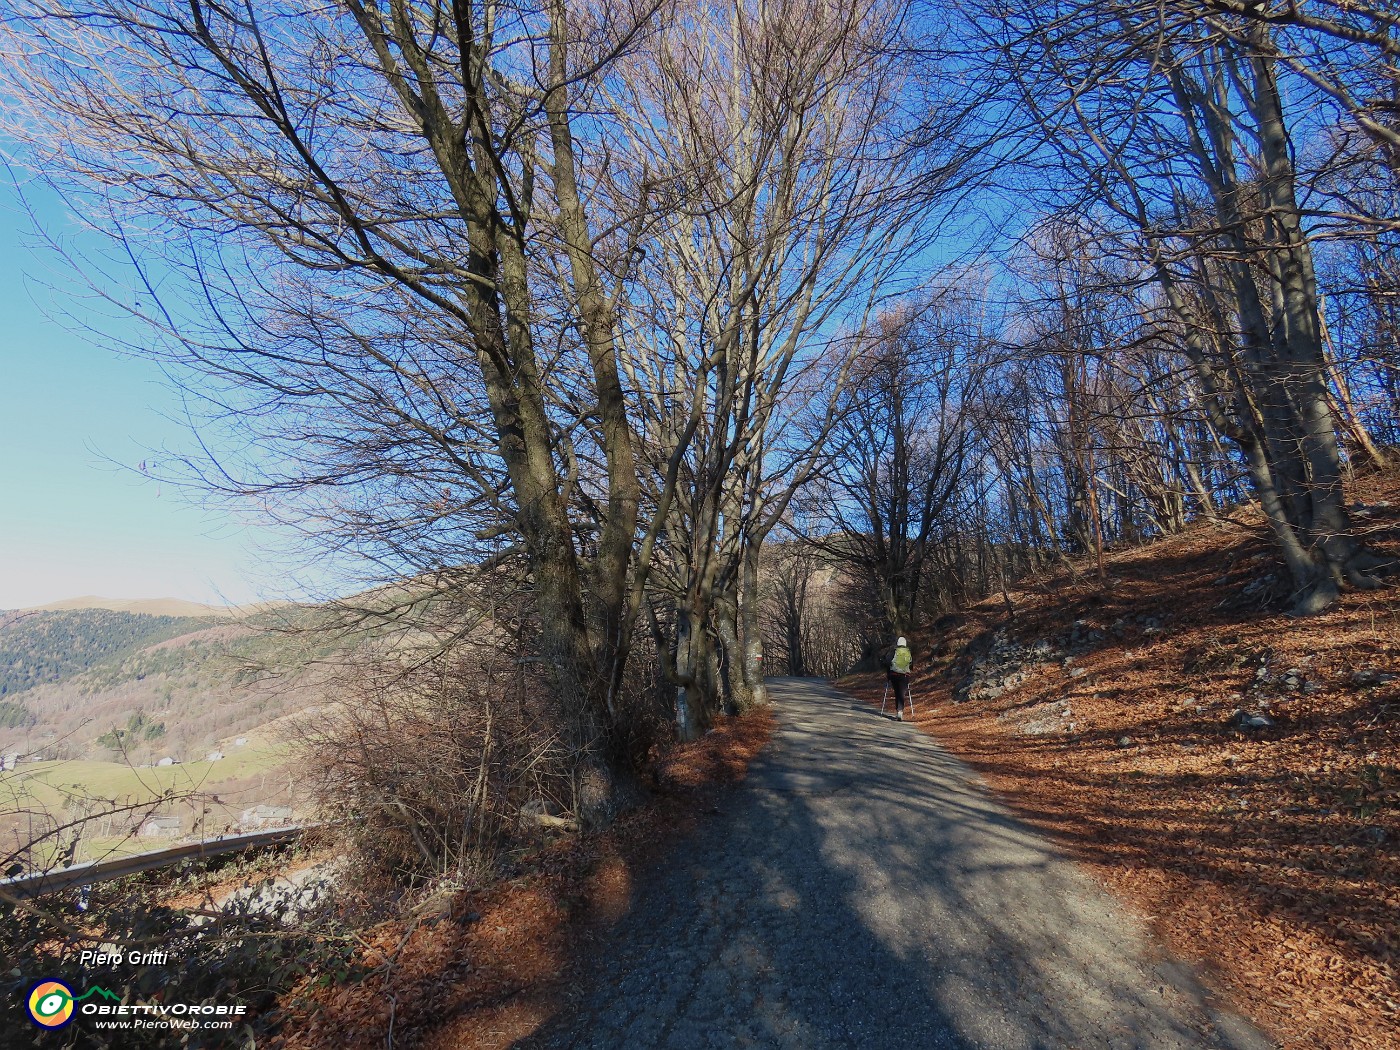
[149, 606]
[55, 782]
[114, 693]
[37, 648]
[206, 797]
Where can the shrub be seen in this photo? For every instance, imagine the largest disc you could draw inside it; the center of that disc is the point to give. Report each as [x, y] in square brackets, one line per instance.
[425, 768]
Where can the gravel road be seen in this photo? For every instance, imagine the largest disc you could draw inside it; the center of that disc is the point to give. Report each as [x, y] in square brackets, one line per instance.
[861, 890]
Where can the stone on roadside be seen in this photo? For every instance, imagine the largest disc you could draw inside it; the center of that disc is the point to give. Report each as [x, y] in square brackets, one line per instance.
[1242, 719]
[1373, 834]
[1369, 676]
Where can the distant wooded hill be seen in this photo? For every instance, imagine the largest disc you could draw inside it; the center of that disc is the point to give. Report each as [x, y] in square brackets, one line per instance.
[45, 647]
[152, 607]
[74, 682]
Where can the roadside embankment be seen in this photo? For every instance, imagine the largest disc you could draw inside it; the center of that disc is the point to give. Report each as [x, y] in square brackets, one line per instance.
[485, 968]
[1230, 770]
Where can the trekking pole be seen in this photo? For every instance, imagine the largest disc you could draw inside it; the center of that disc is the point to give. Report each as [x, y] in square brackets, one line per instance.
[885, 697]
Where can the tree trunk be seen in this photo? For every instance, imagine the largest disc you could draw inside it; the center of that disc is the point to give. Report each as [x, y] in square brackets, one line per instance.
[726, 619]
[694, 710]
[750, 634]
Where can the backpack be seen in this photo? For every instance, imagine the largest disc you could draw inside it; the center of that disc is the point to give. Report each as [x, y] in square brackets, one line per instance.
[903, 661]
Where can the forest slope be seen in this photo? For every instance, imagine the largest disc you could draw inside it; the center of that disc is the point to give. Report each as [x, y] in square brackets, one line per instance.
[42, 647]
[72, 682]
[1232, 770]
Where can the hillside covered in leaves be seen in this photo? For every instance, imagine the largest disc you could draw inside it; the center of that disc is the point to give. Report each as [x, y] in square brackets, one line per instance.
[1232, 770]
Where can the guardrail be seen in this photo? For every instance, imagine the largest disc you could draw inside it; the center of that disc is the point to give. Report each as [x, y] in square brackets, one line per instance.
[89, 872]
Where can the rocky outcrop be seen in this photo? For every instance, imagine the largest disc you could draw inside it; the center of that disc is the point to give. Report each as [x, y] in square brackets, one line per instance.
[995, 661]
[1050, 719]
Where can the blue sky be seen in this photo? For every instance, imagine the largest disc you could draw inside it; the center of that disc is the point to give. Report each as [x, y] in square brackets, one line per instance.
[76, 421]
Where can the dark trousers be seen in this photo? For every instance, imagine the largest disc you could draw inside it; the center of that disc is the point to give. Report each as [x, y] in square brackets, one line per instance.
[901, 688]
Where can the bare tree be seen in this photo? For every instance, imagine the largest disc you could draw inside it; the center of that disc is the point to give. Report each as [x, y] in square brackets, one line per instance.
[767, 135]
[905, 441]
[811, 625]
[1350, 51]
[1179, 134]
[383, 212]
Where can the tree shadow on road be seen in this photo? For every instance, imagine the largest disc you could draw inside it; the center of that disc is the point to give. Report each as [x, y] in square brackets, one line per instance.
[862, 893]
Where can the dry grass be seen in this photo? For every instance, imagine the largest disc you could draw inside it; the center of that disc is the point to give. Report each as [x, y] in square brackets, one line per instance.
[1270, 857]
[483, 969]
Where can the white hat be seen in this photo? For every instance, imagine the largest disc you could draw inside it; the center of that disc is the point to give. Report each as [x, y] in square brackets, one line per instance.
[901, 641]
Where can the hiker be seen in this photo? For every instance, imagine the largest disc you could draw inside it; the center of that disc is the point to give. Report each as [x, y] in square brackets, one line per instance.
[898, 674]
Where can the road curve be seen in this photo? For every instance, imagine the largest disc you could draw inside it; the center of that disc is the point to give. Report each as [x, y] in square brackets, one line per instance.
[862, 891]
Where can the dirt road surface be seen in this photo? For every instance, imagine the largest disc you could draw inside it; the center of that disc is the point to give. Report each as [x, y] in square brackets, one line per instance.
[861, 890]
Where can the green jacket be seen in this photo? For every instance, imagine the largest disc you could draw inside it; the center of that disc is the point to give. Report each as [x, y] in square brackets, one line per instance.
[903, 660]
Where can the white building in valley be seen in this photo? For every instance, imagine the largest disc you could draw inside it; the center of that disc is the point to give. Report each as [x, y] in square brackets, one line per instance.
[262, 818]
[161, 827]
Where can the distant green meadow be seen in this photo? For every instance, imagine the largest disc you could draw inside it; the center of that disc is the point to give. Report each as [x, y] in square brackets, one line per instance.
[200, 793]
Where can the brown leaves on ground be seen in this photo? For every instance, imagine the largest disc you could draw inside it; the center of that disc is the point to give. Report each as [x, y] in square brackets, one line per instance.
[1271, 856]
[485, 968]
